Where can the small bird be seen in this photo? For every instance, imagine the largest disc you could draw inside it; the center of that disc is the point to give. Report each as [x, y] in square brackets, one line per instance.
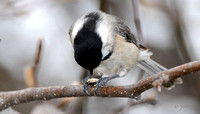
[105, 46]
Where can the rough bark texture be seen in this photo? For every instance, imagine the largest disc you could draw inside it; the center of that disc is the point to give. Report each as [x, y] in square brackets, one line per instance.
[130, 91]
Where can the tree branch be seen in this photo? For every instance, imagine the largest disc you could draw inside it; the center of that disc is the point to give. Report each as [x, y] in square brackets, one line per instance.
[130, 91]
[123, 110]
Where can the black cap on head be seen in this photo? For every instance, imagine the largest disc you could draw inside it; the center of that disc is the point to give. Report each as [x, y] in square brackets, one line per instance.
[88, 44]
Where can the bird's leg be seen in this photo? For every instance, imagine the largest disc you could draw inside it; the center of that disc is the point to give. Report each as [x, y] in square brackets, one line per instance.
[100, 81]
[103, 80]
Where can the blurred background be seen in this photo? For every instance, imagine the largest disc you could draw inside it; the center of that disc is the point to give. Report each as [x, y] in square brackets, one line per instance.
[170, 28]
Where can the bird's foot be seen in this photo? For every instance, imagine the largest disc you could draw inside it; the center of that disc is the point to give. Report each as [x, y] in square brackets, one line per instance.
[97, 81]
[90, 81]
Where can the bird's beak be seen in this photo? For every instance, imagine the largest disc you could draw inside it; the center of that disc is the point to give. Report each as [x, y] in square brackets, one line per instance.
[91, 71]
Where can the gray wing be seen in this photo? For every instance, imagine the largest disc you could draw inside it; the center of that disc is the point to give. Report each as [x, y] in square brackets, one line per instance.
[124, 31]
[148, 65]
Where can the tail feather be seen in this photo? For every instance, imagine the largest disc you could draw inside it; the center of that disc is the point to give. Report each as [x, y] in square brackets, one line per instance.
[151, 67]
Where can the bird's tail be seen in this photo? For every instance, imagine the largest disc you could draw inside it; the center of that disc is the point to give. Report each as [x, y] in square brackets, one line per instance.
[151, 67]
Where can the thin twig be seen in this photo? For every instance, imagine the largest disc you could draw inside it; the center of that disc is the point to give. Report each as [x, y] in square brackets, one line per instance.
[130, 91]
[38, 54]
[137, 21]
[179, 32]
[68, 100]
[37, 61]
[65, 101]
[31, 72]
[133, 103]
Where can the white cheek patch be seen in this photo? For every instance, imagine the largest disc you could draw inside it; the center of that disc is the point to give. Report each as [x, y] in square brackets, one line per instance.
[78, 25]
[105, 30]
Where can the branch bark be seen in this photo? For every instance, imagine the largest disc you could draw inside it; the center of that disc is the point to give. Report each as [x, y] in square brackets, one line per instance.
[13, 98]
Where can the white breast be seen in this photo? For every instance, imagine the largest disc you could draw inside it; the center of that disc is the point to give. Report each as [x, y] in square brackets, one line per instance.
[125, 55]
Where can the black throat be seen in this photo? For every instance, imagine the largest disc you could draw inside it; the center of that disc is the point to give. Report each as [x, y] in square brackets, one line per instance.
[87, 44]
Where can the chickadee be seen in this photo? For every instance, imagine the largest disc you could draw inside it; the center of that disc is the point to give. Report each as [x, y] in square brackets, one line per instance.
[104, 45]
